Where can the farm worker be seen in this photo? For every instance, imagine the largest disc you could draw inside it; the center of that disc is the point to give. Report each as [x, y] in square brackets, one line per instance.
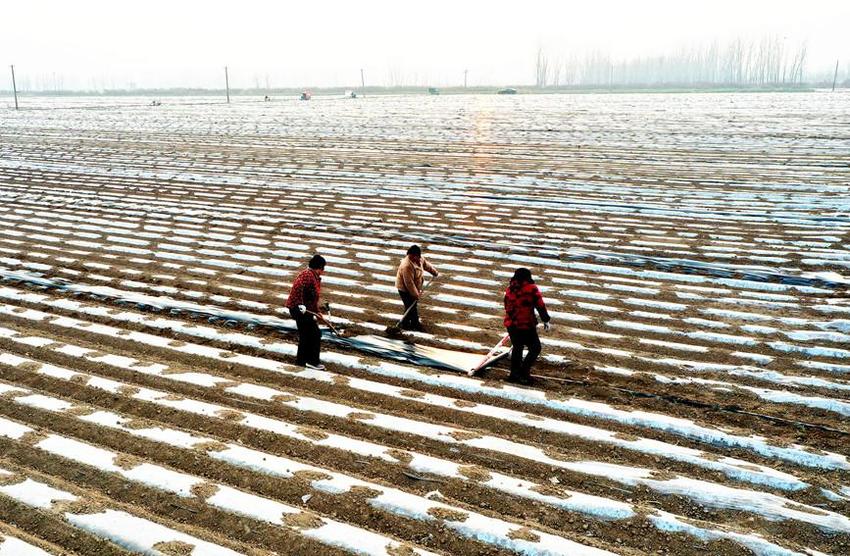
[408, 281]
[303, 305]
[521, 299]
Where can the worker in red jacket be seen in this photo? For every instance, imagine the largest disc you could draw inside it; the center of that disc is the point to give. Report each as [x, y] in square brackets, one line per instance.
[521, 299]
[303, 305]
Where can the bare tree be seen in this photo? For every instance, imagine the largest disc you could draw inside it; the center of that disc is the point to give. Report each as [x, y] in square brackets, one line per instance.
[802, 65]
[797, 65]
[542, 68]
[763, 61]
[556, 72]
[571, 70]
[395, 77]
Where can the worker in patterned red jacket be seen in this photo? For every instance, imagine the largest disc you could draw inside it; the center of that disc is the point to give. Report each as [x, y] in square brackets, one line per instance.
[521, 299]
[303, 305]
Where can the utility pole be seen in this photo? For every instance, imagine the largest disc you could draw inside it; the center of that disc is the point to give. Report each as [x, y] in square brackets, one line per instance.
[227, 84]
[464, 77]
[15, 87]
[834, 76]
[362, 79]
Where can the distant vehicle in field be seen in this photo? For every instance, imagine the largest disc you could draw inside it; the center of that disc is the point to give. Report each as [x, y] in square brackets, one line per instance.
[506, 91]
[306, 95]
[350, 94]
[433, 91]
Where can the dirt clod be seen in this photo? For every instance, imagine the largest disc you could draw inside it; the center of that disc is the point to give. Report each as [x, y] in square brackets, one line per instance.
[230, 415]
[360, 416]
[204, 490]
[475, 473]
[400, 455]
[303, 520]
[32, 438]
[174, 548]
[462, 436]
[210, 446]
[308, 476]
[412, 394]
[81, 506]
[523, 534]
[126, 461]
[400, 550]
[311, 433]
[447, 514]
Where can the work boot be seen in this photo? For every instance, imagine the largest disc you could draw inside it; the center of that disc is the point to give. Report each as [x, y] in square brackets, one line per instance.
[514, 379]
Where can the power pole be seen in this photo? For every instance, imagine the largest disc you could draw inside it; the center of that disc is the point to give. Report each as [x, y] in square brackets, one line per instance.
[834, 76]
[227, 84]
[464, 77]
[362, 79]
[15, 87]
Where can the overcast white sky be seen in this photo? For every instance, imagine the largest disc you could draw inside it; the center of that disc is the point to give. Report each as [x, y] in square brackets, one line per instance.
[172, 43]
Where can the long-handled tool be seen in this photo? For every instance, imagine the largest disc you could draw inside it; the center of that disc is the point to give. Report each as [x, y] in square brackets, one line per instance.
[396, 329]
[487, 357]
[322, 318]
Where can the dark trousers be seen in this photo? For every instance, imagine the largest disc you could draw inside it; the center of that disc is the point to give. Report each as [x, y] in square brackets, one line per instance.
[411, 321]
[308, 338]
[521, 368]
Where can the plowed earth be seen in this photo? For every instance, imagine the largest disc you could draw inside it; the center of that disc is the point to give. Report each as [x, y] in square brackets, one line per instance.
[692, 396]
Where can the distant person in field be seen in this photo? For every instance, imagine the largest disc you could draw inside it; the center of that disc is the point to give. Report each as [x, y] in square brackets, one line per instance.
[303, 305]
[409, 281]
[522, 298]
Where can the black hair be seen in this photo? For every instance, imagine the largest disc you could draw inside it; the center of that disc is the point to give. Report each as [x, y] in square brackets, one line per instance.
[522, 275]
[317, 262]
[414, 250]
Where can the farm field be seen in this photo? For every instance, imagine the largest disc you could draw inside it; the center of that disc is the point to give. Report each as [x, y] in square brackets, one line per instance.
[693, 396]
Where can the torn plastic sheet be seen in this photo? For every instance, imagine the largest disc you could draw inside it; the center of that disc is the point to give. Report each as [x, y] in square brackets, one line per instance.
[379, 346]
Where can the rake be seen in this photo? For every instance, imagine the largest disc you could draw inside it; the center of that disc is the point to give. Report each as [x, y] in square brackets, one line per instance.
[322, 318]
[396, 329]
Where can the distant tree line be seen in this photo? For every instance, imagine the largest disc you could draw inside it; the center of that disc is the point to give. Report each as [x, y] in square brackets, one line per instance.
[769, 61]
[745, 63]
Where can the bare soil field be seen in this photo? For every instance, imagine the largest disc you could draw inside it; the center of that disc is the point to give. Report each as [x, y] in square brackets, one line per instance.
[692, 396]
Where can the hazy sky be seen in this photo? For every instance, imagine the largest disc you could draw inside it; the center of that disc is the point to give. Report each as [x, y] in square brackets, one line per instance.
[171, 43]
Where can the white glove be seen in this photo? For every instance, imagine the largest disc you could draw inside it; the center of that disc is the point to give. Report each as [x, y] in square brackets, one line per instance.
[547, 327]
[302, 309]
